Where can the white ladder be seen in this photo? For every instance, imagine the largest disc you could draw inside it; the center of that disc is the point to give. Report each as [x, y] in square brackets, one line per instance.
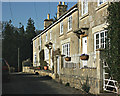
[109, 84]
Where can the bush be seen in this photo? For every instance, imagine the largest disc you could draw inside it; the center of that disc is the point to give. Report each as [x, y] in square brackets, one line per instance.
[27, 62]
[12, 69]
[86, 86]
[42, 62]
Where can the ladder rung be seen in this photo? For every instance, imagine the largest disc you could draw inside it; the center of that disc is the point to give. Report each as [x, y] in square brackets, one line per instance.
[105, 66]
[110, 91]
[110, 80]
[106, 73]
[110, 86]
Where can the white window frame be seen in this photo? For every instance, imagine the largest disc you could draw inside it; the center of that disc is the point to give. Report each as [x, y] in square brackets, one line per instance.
[84, 6]
[66, 49]
[61, 28]
[100, 44]
[50, 34]
[35, 44]
[46, 37]
[46, 54]
[35, 58]
[101, 2]
[40, 43]
[70, 23]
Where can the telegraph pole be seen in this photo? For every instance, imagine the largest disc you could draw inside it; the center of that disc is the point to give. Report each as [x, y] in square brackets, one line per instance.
[18, 59]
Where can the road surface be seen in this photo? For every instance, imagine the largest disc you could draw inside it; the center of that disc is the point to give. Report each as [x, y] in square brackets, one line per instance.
[35, 84]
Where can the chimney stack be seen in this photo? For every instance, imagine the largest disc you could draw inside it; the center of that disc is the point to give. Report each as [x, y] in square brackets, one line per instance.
[47, 21]
[61, 9]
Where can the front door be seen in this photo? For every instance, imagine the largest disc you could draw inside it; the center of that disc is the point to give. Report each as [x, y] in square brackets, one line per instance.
[58, 67]
[84, 49]
[84, 44]
[51, 64]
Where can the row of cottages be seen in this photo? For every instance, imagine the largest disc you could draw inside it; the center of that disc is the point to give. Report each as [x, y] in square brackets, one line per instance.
[79, 30]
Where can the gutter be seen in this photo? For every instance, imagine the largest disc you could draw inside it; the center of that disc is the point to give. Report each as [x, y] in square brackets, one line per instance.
[54, 23]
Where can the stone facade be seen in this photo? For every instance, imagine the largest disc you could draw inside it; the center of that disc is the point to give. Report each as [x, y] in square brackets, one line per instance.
[73, 42]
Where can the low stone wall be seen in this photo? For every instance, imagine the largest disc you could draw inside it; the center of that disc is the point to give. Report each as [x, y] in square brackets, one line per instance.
[77, 77]
[26, 69]
[77, 81]
[45, 73]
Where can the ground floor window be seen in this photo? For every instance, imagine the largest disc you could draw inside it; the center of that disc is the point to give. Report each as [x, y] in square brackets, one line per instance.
[46, 54]
[66, 49]
[100, 40]
[35, 59]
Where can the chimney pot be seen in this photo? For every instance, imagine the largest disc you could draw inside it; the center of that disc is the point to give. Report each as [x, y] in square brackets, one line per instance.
[63, 3]
[60, 3]
[48, 16]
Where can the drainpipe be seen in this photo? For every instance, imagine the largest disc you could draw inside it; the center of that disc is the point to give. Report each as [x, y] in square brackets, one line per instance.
[49, 58]
[78, 28]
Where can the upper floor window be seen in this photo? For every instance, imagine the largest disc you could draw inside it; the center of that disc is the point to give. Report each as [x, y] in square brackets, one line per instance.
[84, 6]
[66, 49]
[101, 2]
[61, 28]
[35, 44]
[50, 34]
[46, 37]
[70, 22]
[100, 39]
[40, 43]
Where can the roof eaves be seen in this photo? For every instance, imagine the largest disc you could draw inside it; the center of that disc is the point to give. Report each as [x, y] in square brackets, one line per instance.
[51, 25]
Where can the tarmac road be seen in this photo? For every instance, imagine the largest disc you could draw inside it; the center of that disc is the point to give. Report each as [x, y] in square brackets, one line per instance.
[31, 84]
[35, 84]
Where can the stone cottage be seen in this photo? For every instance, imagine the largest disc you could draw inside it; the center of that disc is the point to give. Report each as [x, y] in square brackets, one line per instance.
[77, 32]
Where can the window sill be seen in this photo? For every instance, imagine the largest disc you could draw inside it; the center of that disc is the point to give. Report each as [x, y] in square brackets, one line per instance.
[70, 30]
[88, 67]
[101, 6]
[84, 15]
[100, 49]
[47, 59]
[61, 35]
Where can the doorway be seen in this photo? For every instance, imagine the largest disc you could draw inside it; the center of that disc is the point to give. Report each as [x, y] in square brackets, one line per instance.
[84, 49]
[58, 66]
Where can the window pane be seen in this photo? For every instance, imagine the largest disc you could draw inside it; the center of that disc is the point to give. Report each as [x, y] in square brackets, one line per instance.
[46, 37]
[105, 33]
[84, 6]
[69, 22]
[62, 28]
[102, 35]
[97, 46]
[97, 42]
[67, 49]
[102, 40]
[97, 36]
[50, 34]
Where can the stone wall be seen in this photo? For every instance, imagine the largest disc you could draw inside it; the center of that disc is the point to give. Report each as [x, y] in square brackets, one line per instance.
[95, 21]
[76, 77]
[27, 69]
